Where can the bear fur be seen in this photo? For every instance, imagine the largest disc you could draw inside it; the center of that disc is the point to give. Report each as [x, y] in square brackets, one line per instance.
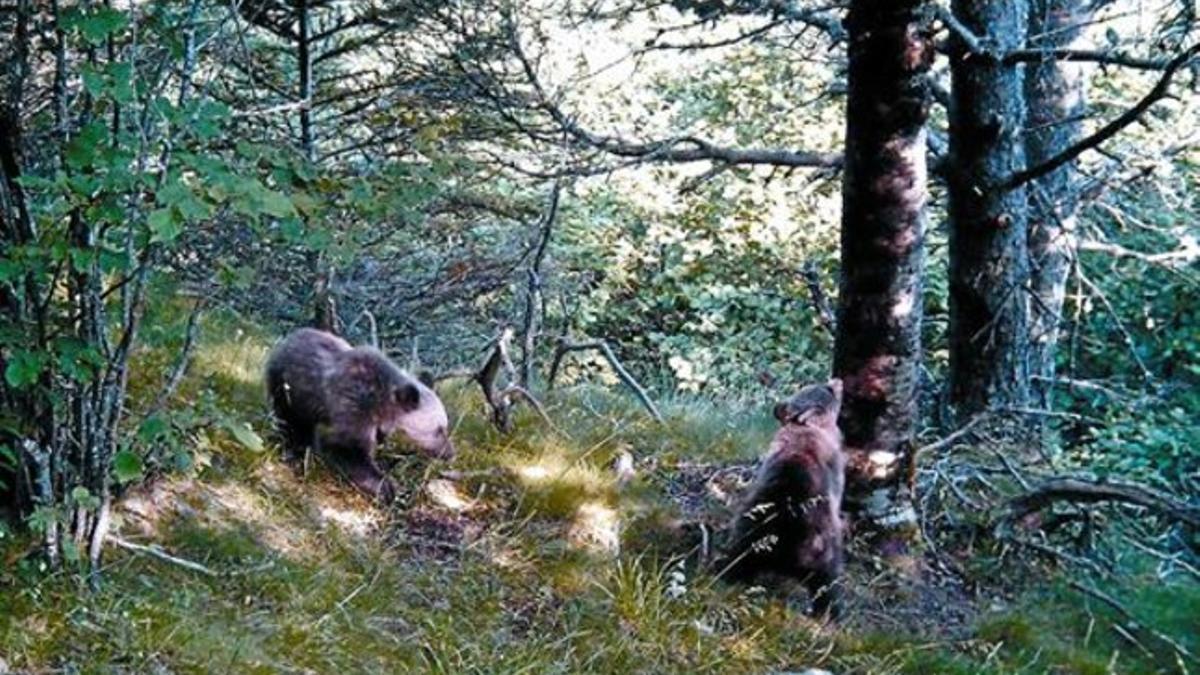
[790, 523]
[344, 401]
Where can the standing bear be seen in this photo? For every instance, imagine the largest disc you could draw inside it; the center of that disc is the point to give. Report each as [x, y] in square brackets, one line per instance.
[790, 522]
[343, 401]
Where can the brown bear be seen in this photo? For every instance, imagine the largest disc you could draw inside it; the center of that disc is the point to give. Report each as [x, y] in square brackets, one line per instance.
[790, 523]
[343, 401]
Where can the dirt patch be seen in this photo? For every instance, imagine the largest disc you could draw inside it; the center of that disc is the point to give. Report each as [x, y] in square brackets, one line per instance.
[441, 522]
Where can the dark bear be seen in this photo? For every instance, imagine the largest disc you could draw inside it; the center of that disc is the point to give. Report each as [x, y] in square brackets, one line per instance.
[343, 401]
[790, 523]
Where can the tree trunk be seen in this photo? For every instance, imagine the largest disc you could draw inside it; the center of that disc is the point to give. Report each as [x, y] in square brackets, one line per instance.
[1055, 93]
[878, 348]
[304, 64]
[989, 332]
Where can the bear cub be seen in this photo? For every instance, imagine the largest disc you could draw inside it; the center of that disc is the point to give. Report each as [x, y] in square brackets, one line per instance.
[790, 522]
[344, 401]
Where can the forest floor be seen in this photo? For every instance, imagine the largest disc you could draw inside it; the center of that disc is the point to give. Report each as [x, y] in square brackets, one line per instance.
[524, 554]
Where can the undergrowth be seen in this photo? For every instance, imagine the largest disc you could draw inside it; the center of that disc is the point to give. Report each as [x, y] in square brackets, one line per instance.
[522, 555]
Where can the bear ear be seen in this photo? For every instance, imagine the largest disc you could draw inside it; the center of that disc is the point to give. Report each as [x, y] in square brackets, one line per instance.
[781, 413]
[836, 386]
[408, 395]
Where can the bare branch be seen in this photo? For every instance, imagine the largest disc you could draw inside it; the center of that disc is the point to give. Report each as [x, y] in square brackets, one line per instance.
[156, 552]
[533, 296]
[1077, 490]
[1114, 58]
[565, 346]
[684, 149]
[185, 359]
[1159, 92]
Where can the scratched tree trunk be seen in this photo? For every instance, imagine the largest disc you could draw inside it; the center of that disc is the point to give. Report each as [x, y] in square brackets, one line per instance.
[1055, 93]
[878, 348]
[989, 264]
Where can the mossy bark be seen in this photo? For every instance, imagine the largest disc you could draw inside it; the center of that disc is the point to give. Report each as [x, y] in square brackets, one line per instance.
[878, 345]
[989, 262]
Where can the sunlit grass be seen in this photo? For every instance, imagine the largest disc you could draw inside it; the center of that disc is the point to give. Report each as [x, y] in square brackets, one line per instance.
[530, 558]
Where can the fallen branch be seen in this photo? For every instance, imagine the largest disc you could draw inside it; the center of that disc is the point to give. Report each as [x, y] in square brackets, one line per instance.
[1135, 623]
[1089, 492]
[155, 552]
[566, 346]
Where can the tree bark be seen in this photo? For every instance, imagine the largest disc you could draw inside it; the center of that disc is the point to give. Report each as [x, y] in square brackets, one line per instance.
[304, 63]
[989, 264]
[1056, 99]
[878, 347]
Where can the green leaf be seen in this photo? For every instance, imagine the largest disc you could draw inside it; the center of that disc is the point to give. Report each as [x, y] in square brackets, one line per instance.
[85, 148]
[93, 80]
[127, 466]
[77, 359]
[102, 22]
[122, 82]
[154, 427]
[164, 227]
[246, 436]
[24, 368]
[70, 551]
[277, 204]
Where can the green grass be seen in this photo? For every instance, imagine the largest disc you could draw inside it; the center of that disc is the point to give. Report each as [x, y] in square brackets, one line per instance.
[508, 564]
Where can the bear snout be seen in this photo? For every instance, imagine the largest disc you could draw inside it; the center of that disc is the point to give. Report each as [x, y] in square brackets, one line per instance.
[445, 450]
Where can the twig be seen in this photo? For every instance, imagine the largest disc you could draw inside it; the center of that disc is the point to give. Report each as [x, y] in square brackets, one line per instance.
[185, 359]
[372, 326]
[533, 297]
[820, 301]
[1128, 337]
[1057, 554]
[974, 44]
[953, 437]
[565, 345]
[156, 552]
[1124, 611]
[1159, 92]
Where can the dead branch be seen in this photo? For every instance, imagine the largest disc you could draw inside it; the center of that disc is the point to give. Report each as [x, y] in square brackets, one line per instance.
[820, 301]
[1078, 490]
[156, 552]
[683, 149]
[181, 365]
[565, 346]
[517, 391]
[372, 327]
[500, 400]
[533, 296]
[1134, 622]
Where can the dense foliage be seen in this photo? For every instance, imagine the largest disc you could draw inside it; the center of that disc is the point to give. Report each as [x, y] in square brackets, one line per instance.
[181, 181]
